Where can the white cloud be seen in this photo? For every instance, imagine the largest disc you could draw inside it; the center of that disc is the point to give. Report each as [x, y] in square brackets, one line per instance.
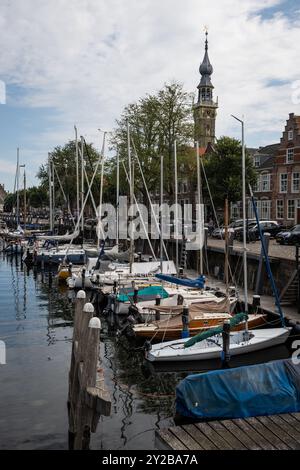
[88, 58]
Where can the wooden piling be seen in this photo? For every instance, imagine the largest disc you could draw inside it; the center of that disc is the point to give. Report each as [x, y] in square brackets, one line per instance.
[226, 344]
[88, 397]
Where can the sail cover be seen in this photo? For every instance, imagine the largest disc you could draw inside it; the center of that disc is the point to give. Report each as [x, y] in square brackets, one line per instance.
[262, 389]
[66, 237]
[195, 283]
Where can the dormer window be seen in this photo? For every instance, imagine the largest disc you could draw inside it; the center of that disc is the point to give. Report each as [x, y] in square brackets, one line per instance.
[290, 135]
[290, 155]
[257, 161]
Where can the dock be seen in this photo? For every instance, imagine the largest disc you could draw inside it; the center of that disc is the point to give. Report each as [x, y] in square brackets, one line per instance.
[274, 432]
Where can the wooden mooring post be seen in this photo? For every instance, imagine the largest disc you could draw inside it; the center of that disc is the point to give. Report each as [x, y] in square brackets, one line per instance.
[88, 398]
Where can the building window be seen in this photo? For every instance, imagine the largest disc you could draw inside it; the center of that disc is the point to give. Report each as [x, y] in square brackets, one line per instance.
[257, 161]
[296, 182]
[283, 182]
[265, 182]
[289, 155]
[265, 209]
[291, 209]
[279, 209]
[290, 135]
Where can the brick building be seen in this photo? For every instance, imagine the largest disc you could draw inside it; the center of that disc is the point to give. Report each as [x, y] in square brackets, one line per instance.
[286, 175]
[277, 191]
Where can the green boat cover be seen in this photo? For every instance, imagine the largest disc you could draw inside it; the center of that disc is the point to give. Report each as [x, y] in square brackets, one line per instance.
[238, 318]
[147, 293]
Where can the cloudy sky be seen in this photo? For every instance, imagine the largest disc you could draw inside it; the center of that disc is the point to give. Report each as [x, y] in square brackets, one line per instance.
[81, 61]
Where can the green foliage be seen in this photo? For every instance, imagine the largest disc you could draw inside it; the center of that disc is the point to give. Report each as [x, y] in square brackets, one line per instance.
[224, 171]
[155, 122]
[36, 197]
[64, 159]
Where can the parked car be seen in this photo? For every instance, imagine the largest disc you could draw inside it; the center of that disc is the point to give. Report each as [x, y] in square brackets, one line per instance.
[267, 226]
[289, 237]
[235, 226]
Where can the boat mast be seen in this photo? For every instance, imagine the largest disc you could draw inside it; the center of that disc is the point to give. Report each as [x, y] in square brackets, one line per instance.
[131, 183]
[50, 192]
[176, 204]
[161, 210]
[18, 196]
[25, 208]
[244, 218]
[53, 192]
[82, 185]
[226, 267]
[117, 199]
[77, 171]
[101, 185]
[200, 222]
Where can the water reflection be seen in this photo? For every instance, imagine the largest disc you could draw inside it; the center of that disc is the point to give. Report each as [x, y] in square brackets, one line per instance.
[36, 321]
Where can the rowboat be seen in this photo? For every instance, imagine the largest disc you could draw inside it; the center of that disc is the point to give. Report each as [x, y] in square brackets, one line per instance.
[202, 317]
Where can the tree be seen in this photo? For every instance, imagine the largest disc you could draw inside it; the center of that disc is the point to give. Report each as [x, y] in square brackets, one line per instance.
[64, 159]
[224, 171]
[155, 121]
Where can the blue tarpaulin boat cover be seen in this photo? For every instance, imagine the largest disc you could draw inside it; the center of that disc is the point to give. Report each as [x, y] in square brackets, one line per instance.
[262, 389]
[198, 283]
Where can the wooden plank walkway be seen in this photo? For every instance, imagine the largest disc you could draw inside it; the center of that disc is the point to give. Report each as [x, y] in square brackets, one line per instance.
[276, 432]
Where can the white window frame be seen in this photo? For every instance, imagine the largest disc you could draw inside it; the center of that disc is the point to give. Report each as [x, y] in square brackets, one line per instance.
[290, 134]
[288, 207]
[290, 152]
[265, 209]
[281, 207]
[293, 182]
[280, 182]
[268, 188]
[256, 161]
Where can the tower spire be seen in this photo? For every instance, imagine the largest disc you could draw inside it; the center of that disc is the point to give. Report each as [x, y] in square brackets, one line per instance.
[205, 110]
[206, 70]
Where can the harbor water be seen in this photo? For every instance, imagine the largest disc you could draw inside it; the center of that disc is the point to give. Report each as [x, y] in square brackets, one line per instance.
[36, 324]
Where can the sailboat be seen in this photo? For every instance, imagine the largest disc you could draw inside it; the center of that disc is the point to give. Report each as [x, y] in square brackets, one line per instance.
[208, 345]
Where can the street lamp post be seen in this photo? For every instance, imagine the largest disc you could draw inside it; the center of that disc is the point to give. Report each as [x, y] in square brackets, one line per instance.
[244, 215]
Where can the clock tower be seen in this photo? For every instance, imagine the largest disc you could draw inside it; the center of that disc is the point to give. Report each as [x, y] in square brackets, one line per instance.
[205, 110]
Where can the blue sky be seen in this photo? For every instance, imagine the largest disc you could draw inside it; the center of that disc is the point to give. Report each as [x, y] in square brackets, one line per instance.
[64, 66]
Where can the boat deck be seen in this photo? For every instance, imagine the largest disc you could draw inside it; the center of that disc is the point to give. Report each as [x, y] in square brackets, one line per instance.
[276, 432]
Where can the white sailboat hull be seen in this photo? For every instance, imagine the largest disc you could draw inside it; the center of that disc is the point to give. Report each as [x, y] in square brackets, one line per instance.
[174, 351]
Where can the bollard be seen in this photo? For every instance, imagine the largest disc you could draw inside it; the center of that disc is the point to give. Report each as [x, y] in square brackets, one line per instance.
[140, 257]
[185, 322]
[226, 344]
[256, 302]
[115, 287]
[87, 315]
[135, 295]
[92, 351]
[70, 269]
[79, 304]
[180, 272]
[150, 259]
